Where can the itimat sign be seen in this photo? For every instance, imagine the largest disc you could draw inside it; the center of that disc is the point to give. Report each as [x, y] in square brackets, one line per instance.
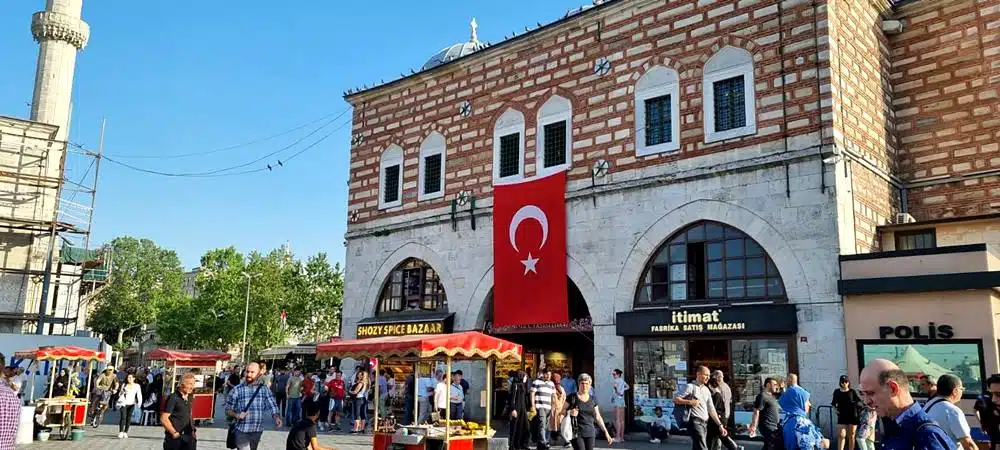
[697, 322]
[714, 320]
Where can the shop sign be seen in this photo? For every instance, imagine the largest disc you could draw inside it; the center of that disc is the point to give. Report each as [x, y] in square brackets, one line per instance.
[930, 331]
[694, 321]
[370, 328]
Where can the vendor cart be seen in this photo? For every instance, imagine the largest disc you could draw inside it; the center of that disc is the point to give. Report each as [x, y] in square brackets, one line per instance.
[64, 412]
[445, 434]
[205, 364]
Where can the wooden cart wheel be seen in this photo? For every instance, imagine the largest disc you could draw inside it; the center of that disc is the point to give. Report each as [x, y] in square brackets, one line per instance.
[67, 425]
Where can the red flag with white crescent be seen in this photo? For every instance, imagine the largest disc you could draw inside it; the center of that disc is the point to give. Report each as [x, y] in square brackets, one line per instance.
[529, 252]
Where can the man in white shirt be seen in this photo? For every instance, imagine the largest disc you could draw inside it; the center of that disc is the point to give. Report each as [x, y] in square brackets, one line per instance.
[943, 410]
[441, 393]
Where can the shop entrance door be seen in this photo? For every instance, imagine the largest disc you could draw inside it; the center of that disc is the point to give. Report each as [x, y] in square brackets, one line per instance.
[713, 353]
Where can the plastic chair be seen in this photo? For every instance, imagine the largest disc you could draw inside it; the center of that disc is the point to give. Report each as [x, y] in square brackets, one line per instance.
[148, 417]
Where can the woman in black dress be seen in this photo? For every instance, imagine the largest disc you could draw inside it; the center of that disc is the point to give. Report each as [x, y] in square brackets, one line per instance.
[848, 404]
[61, 388]
[585, 415]
[517, 410]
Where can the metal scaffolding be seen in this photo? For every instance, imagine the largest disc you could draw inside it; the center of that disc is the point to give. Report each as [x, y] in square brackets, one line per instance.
[47, 193]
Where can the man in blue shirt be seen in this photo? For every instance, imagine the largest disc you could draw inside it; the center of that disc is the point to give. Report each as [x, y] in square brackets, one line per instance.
[906, 426]
[794, 395]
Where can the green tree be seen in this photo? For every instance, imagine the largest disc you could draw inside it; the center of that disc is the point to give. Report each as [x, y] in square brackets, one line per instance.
[315, 315]
[144, 276]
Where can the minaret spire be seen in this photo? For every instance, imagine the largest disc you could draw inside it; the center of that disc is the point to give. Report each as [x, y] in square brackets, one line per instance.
[60, 34]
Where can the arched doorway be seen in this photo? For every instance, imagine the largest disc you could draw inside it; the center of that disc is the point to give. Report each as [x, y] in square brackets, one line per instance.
[565, 348]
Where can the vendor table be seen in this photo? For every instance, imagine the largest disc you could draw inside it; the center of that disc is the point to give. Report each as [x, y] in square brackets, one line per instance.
[446, 434]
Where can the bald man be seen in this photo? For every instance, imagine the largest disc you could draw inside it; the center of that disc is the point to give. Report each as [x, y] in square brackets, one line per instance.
[885, 387]
[792, 392]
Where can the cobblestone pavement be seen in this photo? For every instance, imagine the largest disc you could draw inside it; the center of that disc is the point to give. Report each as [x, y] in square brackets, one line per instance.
[148, 438]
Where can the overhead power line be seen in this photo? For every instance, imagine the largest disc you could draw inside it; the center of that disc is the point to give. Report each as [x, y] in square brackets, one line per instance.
[228, 171]
[231, 147]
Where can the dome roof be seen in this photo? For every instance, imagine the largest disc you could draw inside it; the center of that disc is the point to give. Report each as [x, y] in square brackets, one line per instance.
[456, 51]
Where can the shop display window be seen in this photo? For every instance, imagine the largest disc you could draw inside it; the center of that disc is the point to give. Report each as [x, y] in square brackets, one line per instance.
[412, 286]
[659, 369]
[931, 358]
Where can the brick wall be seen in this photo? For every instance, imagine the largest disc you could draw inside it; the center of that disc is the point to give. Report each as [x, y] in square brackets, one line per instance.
[634, 35]
[862, 113]
[946, 77]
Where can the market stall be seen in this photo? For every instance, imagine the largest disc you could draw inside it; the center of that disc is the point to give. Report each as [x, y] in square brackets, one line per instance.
[444, 433]
[204, 364]
[65, 412]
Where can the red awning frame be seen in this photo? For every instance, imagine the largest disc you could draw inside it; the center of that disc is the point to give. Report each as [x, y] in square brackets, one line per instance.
[165, 354]
[463, 345]
[57, 353]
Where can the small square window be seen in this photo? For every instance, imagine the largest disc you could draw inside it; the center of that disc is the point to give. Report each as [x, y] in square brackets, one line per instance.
[918, 239]
[432, 174]
[658, 124]
[390, 191]
[555, 144]
[730, 103]
[510, 155]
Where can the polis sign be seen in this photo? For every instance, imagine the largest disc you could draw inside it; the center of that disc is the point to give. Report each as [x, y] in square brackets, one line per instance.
[780, 318]
[929, 331]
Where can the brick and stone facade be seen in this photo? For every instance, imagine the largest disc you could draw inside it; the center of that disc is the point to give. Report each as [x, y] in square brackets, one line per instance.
[827, 163]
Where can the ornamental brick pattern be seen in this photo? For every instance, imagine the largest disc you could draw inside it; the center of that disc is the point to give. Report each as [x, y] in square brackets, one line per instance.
[790, 74]
[946, 95]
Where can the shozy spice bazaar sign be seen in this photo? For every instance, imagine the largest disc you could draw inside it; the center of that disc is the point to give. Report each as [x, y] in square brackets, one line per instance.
[371, 328]
[694, 321]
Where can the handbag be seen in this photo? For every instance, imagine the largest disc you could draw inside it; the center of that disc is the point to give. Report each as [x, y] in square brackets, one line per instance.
[231, 434]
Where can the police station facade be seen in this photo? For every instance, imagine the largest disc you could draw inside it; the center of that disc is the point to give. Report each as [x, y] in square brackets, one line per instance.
[705, 208]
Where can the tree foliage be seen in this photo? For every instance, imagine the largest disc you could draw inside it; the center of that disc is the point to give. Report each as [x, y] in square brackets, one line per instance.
[310, 293]
[143, 277]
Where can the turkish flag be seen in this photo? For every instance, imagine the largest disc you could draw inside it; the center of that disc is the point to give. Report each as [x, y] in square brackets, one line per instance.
[529, 252]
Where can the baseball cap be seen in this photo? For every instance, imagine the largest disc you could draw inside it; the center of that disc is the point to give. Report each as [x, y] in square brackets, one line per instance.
[844, 379]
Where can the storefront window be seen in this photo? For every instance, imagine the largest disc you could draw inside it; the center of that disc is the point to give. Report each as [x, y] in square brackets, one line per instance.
[659, 368]
[755, 360]
[961, 358]
[709, 261]
[412, 286]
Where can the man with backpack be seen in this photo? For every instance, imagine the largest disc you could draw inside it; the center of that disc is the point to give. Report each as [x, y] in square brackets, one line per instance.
[906, 426]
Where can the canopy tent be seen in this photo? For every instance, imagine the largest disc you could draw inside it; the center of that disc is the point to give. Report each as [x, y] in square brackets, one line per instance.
[188, 355]
[913, 363]
[68, 353]
[464, 345]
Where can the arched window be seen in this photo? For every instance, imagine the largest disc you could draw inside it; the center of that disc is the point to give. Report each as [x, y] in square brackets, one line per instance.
[709, 261]
[432, 153]
[508, 147]
[554, 137]
[412, 286]
[657, 112]
[728, 95]
[390, 167]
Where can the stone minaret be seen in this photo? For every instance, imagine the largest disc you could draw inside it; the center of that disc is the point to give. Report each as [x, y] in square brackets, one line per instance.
[60, 34]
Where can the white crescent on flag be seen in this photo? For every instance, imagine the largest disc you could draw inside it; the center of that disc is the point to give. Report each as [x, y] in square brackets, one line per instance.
[528, 212]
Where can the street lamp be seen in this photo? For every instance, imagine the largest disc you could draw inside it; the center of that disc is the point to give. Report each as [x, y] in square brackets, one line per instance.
[246, 314]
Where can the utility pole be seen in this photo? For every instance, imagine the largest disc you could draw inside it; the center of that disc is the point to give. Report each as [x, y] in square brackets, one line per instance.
[246, 316]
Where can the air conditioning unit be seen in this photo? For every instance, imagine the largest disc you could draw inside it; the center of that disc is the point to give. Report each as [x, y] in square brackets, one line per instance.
[902, 218]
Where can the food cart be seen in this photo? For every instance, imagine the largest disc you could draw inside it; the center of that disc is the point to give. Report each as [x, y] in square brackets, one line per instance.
[445, 434]
[67, 412]
[205, 364]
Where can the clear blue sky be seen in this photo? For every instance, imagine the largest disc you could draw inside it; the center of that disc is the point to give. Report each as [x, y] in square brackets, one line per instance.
[185, 76]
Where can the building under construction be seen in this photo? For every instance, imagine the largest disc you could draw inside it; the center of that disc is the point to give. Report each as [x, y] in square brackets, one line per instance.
[47, 187]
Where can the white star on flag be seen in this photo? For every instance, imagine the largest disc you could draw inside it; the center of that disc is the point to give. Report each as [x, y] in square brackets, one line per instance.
[529, 264]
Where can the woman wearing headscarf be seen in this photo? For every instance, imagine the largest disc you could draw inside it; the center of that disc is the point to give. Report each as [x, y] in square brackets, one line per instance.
[517, 410]
[558, 407]
[797, 431]
[61, 388]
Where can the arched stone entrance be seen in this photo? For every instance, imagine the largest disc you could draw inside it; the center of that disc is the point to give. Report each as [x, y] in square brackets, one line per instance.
[564, 348]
